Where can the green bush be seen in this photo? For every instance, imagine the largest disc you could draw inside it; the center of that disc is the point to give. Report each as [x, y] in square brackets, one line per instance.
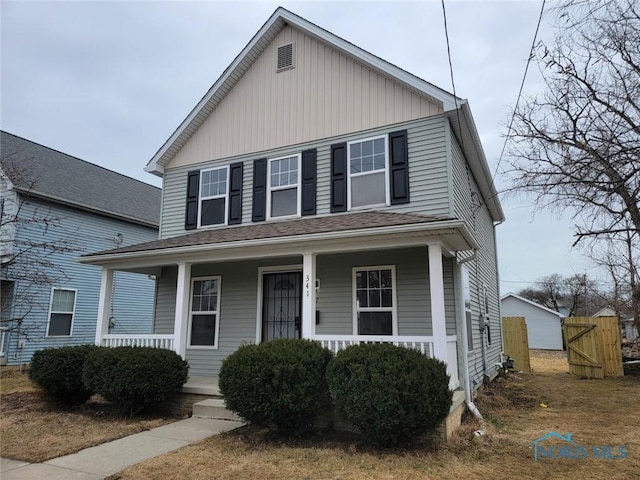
[279, 384]
[58, 371]
[393, 395]
[135, 378]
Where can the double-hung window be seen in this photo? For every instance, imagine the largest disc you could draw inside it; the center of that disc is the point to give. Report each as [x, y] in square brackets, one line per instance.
[368, 172]
[61, 310]
[374, 300]
[214, 193]
[205, 312]
[283, 199]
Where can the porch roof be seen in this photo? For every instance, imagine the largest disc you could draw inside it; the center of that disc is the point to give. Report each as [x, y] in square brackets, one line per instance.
[297, 230]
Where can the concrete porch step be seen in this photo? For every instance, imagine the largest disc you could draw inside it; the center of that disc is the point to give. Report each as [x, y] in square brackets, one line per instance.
[213, 408]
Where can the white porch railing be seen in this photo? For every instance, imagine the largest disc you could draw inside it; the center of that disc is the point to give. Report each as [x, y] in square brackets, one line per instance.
[335, 343]
[424, 345]
[124, 340]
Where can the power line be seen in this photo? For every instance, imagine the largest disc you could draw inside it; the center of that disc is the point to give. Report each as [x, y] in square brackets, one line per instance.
[524, 77]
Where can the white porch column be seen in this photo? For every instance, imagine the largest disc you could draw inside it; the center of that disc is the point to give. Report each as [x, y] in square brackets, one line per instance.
[182, 309]
[309, 295]
[436, 285]
[104, 305]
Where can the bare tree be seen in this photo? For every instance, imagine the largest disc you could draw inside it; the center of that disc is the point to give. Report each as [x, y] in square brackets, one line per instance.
[576, 146]
[30, 240]
[619, 257]
[579, 294]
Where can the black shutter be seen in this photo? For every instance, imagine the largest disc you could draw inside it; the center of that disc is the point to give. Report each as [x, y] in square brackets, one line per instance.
[309, 182]
[235, 193]
[399, 167]
[339, 178]
[259, 207]
[191, 210]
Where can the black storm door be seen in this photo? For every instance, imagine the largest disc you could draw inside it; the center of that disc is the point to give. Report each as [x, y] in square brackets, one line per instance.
[281, 305]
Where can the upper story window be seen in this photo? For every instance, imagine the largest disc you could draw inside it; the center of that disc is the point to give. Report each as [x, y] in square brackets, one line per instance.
[214, 188]
[368, 175]
[283, 199]
[61, 310]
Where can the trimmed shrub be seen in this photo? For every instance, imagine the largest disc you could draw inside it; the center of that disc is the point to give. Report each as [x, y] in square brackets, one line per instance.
[279, 384]
[135, 378]
[58, 371]
[393, 395]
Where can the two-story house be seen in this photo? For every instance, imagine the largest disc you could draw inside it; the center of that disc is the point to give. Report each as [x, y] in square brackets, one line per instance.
[318, 191]
[55, 207]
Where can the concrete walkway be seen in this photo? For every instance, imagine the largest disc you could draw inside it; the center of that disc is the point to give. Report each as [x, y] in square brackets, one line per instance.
[103, 460]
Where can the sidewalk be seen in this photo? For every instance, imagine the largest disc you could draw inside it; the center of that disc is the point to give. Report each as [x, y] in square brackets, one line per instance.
[103, 460]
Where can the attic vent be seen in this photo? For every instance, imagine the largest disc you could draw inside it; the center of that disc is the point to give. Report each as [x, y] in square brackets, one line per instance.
[286, 57]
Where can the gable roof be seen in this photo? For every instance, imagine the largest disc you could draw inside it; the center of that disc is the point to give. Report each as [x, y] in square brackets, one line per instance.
[42, 172]
[245, 59]
[541, 307]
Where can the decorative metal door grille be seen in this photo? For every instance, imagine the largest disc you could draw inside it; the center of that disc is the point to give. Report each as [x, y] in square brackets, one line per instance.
[281, 305]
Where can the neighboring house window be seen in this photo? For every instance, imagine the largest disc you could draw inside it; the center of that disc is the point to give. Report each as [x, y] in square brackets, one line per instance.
[466, 292]
[213, 196]
[61, 310]
[374, 300]
[205, 312]
[368, 179]
[283, 199]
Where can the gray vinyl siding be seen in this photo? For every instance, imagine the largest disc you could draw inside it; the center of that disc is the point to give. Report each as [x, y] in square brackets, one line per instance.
[428, 174]
[166, 301]
[482, 270]
[239, 300]
[85, 233]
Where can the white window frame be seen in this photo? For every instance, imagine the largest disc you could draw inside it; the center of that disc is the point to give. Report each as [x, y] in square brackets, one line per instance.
[216, 342]
[213, 197]
[487, 315]
[387, 201]
[394, 299]
[298, 187]
[52, 311]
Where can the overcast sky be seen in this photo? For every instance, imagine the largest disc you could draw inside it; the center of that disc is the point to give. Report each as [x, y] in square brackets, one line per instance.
[109, 82]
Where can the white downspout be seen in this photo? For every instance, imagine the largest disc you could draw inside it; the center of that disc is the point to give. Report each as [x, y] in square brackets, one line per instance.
[465, 350]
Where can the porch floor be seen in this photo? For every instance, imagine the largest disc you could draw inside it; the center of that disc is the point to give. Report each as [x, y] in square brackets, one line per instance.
[202, 385]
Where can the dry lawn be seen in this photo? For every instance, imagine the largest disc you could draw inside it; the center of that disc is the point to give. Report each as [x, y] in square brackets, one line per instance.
[596, 412]
[34, 431]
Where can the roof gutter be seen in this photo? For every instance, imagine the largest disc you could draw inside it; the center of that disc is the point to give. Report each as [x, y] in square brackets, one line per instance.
[81, 206]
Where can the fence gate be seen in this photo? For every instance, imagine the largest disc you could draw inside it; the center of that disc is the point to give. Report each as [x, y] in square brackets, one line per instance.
[516, 342]
[593, 346]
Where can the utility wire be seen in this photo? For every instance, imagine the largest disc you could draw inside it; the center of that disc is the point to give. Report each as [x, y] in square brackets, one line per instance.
[524, 77]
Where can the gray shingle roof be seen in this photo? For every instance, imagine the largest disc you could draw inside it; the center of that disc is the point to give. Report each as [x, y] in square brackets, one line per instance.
[288, 228]
[43, 172]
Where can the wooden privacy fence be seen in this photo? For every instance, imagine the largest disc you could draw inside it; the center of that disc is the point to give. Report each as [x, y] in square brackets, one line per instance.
[593, 346]
[516, 342]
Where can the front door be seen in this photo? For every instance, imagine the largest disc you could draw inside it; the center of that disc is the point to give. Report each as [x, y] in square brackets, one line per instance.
[281, 305]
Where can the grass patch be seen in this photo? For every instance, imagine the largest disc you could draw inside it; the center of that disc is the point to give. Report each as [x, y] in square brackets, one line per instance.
[35, 431]
[596, 412]
[15, 379]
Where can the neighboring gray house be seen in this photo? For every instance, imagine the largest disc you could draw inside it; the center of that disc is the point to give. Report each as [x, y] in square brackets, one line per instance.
[54, 208]
[318, 191]
[544, 326]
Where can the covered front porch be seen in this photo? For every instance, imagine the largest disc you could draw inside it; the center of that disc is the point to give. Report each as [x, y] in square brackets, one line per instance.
[395, 286]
